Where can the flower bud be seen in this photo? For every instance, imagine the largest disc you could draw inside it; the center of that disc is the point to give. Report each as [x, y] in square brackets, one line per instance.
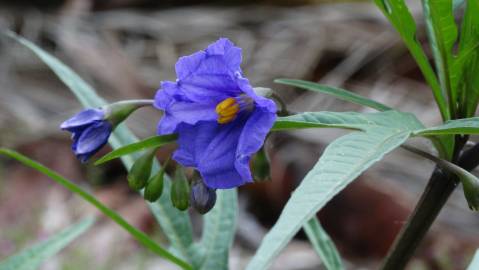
[471, 191]
[261, 168]
[180, 190]
[154, 187]
[91, 128]
[202, 198]
[90, 132]
[141, 170]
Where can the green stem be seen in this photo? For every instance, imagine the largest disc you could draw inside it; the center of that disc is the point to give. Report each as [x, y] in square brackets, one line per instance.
[117, 112]
[434, 197]
[283, 107]
[438, 190]
[137, 102]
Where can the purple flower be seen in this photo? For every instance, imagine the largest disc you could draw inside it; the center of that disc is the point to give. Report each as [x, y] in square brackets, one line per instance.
[220, 120]
[90, 131]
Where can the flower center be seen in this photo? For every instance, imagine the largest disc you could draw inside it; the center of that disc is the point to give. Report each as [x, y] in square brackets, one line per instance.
[229, 108]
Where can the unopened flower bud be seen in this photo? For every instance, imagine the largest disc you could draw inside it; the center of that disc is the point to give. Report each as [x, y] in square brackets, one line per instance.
[91, 128]
[261, 168]
[202, 198]
[141, 170]
[180, 190]
[90, 132]
[471, 191]
[154, 187]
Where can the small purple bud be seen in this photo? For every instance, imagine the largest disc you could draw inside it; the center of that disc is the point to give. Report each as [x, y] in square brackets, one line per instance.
[91, 128]
[90, 132]
[202, 198]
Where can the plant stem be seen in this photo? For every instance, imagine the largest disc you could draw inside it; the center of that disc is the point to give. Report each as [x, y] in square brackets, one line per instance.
[440, 186]
[437, 191]
[283, 107]
[137, 102]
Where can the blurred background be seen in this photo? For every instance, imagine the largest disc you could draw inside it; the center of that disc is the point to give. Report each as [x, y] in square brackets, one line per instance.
[126, 47]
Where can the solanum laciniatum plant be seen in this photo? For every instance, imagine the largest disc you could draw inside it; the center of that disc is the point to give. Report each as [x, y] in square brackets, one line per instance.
[219, 123]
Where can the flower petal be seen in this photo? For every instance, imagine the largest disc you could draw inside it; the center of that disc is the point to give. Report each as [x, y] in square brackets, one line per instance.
[231, 53]
[216, 163]
[93, 138]
[193, 139]
[201, 87]
[191, 113]
[210, 74]
[252, 138]
[187, 65]
[167, 124]
[260, 101]
[185, 112]
[168, 92]
[82, 119]
[211, 148]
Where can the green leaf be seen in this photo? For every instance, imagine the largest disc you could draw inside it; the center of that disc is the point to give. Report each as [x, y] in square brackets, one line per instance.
[219, 230]
[151, 142]
[175, 224]
[398, 14]
[32, 257]
[467, 63]
[442, 33]
[336, 92]
[474, 265]
[347, 120]
[323, 245]
[138, 235]
[342, 162]
[452, 127]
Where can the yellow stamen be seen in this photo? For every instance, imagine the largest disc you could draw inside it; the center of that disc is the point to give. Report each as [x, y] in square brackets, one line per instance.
[227, 110]
[225, 120]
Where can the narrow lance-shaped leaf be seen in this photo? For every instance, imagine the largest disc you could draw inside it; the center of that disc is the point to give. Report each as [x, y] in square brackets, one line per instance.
[31, 258]
[219, 231]
[323, 245]
[347, 120]
[398, 14]
[444, 144]
[137, 234]
[467, 63]
[342, 161]
[452, 127]
[175, 224]
[442, 33]
[151, 142]
[336, 92]
[475, 262]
